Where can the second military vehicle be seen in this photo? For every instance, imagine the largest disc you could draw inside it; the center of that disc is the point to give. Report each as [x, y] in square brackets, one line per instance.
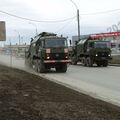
[46, 51]
[91, 50]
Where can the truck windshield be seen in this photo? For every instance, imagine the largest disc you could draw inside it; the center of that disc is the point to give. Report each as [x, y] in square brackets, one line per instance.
[55, 42]
[102, 45]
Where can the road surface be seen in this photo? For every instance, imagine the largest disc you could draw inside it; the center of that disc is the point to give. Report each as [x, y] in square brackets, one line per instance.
[99, 82]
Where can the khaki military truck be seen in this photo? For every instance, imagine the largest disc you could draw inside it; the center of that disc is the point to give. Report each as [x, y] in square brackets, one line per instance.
[47, 51]
[92, 50]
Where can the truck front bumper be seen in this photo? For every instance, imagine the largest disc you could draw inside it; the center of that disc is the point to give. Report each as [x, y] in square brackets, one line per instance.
[103, 58]
[57, 61]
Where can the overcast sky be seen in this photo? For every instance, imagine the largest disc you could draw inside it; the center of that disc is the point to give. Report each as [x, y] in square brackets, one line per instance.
[55, 10]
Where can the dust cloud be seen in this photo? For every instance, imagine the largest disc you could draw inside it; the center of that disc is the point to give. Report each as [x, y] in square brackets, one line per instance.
[13, 61]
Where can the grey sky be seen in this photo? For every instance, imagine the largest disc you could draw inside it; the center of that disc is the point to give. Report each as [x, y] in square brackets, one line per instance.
[58, 10]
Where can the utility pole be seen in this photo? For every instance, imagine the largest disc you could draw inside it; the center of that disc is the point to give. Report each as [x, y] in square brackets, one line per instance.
[78, 21]
[18, 36]
[10, 53]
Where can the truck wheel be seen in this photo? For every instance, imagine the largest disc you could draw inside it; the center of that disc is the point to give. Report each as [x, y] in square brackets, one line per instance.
[64, 68]
[89, 62]
[57, 69]
[98, 64]
[36, 66]
[74, 61]
[41, 67]
[84, 61]
[105, 63]
[61, 68]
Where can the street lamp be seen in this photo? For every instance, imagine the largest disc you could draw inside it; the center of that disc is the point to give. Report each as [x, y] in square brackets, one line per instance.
[18, 36]
[78, 19]
[35, 27]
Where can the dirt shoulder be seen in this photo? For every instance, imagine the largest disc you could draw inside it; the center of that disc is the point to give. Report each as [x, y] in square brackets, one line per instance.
[24, 96]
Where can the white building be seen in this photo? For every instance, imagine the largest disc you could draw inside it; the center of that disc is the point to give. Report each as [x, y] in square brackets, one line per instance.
[16, 50]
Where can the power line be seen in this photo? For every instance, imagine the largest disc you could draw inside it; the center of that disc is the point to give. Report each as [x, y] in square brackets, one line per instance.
[33, 20]
[56, 21]
[66, 25]
[103, 12]
[95, 13]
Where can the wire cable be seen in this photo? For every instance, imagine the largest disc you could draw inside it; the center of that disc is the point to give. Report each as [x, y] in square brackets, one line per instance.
[57, 21]
[95, 13]
[103, 12]
[33, 20]
[66, 25]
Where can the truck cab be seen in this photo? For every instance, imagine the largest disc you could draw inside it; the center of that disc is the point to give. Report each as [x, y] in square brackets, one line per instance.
[98, 52]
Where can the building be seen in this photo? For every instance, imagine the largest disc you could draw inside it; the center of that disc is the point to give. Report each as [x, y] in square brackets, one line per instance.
[16, 50]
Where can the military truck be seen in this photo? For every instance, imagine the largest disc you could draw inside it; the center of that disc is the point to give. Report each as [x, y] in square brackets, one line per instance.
[47, 51]
[91, 50]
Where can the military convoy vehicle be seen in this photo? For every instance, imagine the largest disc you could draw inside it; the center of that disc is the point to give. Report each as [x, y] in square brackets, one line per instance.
[90, 50]
[46, 51]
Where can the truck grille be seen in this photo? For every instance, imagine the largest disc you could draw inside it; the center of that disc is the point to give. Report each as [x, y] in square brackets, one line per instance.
[103, 54]
[57, 56]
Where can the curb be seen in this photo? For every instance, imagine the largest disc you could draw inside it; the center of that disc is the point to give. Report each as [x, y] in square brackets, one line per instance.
[117, 65]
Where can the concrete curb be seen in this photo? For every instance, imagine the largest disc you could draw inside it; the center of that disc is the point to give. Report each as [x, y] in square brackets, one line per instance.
[116, 65]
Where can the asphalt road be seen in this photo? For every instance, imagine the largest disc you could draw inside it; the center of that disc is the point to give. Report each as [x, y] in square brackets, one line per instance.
[99, 82]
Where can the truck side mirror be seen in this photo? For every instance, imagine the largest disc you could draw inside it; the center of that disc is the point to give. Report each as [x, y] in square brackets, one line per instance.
[76, 42]
[31, 39]
[70, 42]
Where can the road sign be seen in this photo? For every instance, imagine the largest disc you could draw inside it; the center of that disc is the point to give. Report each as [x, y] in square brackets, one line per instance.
[2, 31]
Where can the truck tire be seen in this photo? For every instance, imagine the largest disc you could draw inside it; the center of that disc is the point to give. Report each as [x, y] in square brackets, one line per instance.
[74, 61]
[98, 64]
[89, 62]
[84, 61]
[61, 68]
[36, 66]
[105, 63]
[41, 67]
[64, 68]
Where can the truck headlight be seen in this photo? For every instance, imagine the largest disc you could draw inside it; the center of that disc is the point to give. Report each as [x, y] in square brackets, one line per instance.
[66, 57]
[109, 55]
[96, 55]
[48, 57]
